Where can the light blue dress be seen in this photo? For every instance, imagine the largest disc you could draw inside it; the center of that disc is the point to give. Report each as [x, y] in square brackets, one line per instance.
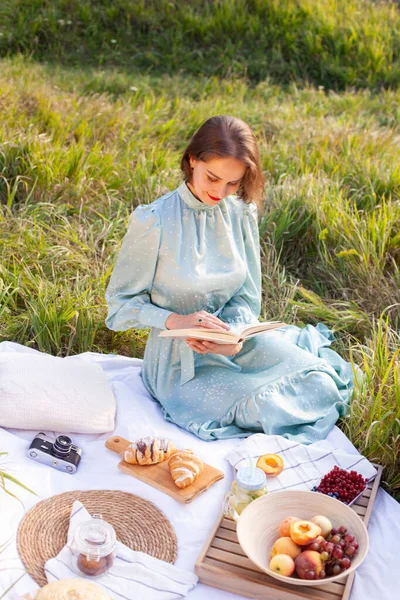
[180, 255]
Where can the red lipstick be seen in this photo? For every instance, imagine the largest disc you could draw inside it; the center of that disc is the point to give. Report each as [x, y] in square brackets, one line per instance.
[215, 199]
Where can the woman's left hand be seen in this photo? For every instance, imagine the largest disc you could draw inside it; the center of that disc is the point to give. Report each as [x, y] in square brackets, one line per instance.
[206, 347]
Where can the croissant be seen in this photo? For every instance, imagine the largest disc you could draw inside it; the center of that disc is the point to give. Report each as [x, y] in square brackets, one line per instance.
[185, 467]
[149, 451]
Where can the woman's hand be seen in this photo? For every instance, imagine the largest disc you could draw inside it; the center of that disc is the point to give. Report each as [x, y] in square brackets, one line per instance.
[206, 347]
[175, 321]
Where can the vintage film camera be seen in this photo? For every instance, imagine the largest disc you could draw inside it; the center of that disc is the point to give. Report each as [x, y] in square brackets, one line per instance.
[59, 453]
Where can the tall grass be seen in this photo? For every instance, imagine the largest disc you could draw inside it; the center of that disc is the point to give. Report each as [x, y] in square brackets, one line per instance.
[374, 423]
[326, 42]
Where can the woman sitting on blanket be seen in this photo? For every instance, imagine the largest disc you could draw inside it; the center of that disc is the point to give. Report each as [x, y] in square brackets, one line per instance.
[190, 259]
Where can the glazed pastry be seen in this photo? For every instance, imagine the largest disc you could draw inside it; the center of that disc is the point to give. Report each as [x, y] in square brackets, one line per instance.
[66, 589]
[185, 467]
[149, 451]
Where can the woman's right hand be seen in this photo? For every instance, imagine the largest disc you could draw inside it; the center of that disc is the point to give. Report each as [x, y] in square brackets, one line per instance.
[175, 321]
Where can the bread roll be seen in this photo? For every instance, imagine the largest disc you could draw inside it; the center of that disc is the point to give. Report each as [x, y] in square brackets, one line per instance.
[149, 451]
[72, 589]
[185, 467]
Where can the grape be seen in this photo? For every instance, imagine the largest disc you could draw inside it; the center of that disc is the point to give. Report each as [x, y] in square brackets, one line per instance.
[349, 538]
[321, 574]
[342, 530]
[329, 546]
[324, 555]
[337, 552]
[336, 570]
[345, 563]
[336, 539]
[309, 575]
[350, 551]
[314, 546]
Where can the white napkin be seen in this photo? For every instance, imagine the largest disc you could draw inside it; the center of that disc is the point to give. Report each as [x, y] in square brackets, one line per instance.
[133, 575]
[305, 464]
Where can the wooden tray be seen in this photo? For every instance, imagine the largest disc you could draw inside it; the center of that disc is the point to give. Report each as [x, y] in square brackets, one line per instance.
[223, 564]
[159, 476]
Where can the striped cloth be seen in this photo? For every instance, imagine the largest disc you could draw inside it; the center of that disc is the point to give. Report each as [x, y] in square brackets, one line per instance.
[305, 465]
[134, 575]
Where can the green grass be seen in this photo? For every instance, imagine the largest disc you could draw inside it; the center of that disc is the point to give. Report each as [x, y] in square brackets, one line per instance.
[333, 43]
[81, 146]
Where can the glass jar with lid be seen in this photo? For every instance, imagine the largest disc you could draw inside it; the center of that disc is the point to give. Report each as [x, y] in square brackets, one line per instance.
[93, 547]
[250, 484]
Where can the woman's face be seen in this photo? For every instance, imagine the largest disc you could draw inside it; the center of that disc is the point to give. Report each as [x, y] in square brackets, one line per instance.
[215, 179]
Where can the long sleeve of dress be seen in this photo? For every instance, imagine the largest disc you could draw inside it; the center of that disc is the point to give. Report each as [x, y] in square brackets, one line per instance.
[245, 304]
[129, 291]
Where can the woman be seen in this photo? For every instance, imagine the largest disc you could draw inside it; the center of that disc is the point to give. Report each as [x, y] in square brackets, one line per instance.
[192, 259]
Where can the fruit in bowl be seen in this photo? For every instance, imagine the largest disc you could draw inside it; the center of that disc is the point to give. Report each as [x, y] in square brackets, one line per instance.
[284, 528]
[285, 545]
[324, 558]
[308, 565]
[329, 554]
[282, 564]
[324, 523]
[304, 532]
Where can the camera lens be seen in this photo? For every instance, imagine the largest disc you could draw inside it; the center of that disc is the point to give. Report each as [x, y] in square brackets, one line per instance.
[62, 446]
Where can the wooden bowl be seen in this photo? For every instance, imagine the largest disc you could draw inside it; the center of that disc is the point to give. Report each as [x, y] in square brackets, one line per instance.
[258, 528]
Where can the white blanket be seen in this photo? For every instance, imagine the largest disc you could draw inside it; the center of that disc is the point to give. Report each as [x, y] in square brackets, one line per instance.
[138, 415]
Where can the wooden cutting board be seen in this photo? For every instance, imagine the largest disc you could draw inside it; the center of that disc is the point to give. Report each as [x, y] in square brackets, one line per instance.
[159, 476]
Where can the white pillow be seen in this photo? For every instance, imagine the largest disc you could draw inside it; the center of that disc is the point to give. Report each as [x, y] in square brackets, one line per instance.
[43, 392]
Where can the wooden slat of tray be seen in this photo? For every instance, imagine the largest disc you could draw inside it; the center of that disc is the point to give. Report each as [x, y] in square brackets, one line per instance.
[223, 564]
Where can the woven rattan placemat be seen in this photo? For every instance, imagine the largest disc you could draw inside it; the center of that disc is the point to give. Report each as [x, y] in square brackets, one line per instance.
[138, 523]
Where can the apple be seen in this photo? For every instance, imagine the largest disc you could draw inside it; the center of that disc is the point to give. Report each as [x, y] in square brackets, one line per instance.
[285, 545]
[282, 564]
[324, 523]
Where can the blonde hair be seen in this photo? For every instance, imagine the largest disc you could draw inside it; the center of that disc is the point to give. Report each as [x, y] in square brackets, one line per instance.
[224, 136]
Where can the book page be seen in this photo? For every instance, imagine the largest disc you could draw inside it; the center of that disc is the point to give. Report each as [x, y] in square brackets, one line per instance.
[250, 330]
[202, 333]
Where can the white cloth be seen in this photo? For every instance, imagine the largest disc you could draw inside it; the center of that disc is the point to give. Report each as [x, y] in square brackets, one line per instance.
[43, 392]
[138, 415]
[304, 465]
[133, 574]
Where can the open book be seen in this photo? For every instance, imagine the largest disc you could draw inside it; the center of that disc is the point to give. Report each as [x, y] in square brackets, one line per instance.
[238, 333]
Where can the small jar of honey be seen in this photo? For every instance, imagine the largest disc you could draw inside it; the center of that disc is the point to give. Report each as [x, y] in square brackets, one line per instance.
[94, 547]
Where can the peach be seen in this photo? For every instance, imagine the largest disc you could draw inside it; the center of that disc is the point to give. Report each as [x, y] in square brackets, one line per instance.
[324, 523]
[284, 527]
[285, 545]
[271, 464]
[304, 532]
[282, 564]
[308, 564]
